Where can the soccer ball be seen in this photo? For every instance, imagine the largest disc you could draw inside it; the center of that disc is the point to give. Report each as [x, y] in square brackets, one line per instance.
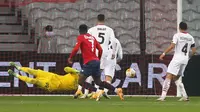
[130, 73]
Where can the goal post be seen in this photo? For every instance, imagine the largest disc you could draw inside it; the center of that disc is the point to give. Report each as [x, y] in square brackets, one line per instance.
[179, 19]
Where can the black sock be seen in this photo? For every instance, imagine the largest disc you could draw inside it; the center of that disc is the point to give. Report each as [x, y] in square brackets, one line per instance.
[104, 84]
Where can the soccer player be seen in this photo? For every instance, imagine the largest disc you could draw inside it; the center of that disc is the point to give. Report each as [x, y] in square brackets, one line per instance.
[111, 63]
[103, 35]
[182, 42]
[88, 45]
[110, 67]
[47, 80]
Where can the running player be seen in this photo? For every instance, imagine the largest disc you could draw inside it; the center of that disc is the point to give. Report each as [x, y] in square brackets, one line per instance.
[182, 42]
[88, 45]
[111, 63]
[47, 80]
[103, 35]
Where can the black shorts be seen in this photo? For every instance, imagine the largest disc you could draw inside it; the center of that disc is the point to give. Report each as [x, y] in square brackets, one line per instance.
[92, 68]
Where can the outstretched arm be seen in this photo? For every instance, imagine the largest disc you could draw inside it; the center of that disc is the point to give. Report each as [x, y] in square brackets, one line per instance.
[74, 51]
[70, 70]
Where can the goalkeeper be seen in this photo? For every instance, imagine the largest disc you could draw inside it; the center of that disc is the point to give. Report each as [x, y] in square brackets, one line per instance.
[48, 80]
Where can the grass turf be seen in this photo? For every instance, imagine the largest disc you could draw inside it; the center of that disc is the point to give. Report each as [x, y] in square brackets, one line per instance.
[68, 104]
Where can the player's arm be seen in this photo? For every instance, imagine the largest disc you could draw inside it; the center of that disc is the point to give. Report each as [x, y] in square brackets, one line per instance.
[113, 42]
[98, 46]
[193, 47]
[119, 52]
[172, 45]
[75, 50]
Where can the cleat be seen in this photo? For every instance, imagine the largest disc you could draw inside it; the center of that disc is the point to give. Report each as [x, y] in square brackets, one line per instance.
[12, 73]
[77, 94]
[93, 95]
[105, 95]
[90, 95]
[120, 93]
[99, 95]
[83, 96]
[14, 65]
[160, 99]
[184, 99]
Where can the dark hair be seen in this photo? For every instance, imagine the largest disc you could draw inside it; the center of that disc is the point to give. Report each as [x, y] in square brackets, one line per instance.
[183, 26]
[101, 17]
[49, 28]
[83, 29]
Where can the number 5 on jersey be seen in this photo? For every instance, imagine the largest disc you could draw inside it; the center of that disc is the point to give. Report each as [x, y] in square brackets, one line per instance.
[101, 35]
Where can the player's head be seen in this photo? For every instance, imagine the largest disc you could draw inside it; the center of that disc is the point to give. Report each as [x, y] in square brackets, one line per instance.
[49, 31]
[101, 18]
[183, 26]
[83, 29]
[49, 28]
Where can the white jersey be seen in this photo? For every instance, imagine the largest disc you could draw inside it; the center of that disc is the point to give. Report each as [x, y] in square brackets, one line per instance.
[183, 43]
[118, 50]
[103, 35]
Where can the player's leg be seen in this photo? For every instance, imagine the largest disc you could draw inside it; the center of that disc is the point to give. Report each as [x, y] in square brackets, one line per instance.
[97, 79]
[82, 77]
[178, 93]
[24, 69]
[109, 74]
[172, 70]
[23, 78]
[86, 91]
[180, 84]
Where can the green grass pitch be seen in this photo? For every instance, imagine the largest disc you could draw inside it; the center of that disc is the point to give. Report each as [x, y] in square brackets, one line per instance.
[68, 104]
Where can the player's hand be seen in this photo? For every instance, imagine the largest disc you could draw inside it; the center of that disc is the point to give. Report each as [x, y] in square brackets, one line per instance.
[113, 56]
[69, 60]
[162, 56]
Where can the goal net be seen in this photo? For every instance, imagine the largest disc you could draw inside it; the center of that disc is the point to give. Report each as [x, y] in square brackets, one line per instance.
[66, 15]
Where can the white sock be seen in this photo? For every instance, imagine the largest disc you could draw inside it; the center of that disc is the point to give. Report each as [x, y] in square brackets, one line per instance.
[178, 93]
[105, 89]
[182, 88]
[115, 90]
[96, 86]
[86, 92]
[165, 87]
[79, 87]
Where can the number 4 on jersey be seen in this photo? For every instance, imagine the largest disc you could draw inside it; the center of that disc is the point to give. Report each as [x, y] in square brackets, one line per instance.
[184, 49]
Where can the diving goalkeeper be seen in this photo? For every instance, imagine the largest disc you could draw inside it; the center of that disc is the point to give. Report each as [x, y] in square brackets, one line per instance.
[48, 80]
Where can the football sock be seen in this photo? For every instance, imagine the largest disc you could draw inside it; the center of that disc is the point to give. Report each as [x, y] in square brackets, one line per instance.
[89, 86]
[29, 71]
[106, 90]
[165, 88]
[27, 79]
[79, 87]
[107, 85]
[86, 91]
[182, 88]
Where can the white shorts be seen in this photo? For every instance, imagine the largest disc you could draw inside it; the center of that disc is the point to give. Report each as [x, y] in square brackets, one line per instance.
[176, 68]
[109, 69]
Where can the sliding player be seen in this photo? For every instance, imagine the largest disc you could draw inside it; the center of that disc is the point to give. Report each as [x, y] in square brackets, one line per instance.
[182, 42]
[47, 80]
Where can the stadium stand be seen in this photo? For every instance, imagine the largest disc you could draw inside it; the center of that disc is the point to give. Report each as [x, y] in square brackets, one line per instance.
[191, 15]
[122, 16]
